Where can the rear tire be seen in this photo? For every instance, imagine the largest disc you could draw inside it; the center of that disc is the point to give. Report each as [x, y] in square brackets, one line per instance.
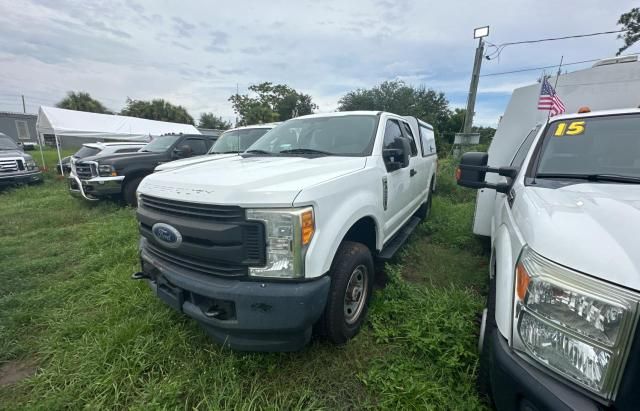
[129, 191]
[352, 276]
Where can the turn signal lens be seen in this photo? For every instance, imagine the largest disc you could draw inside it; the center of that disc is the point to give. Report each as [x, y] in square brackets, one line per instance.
[584, 109]
[522, 281]
[308, 227]
[458, 174]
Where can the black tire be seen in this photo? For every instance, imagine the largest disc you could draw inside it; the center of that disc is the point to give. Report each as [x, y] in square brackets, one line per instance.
[335, 324]
[483, 381]
[129, 191]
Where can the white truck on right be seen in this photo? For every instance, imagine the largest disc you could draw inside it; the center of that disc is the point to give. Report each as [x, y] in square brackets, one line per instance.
[560, 199]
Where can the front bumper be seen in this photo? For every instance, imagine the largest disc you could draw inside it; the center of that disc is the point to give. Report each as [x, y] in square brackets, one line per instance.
[242, 314]
[517, 385]
[18, 178]
[94, 188]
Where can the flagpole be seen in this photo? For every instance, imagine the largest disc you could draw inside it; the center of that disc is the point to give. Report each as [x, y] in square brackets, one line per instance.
[555, 85]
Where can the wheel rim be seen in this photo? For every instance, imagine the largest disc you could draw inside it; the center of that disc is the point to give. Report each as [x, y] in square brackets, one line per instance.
[356, 294]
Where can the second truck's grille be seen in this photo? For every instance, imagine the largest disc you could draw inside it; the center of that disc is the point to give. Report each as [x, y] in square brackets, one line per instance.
[85, 171]
[12, 164]
[193, 210]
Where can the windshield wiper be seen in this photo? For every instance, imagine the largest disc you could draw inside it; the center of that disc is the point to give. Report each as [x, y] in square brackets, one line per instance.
[617, 178]
[258, 152]
[306, 151]
[224, 152]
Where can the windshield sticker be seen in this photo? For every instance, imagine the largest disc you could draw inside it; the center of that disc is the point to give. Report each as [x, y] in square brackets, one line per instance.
[573, 129]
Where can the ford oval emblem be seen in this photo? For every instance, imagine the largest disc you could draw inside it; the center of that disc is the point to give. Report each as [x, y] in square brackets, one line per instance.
[167, 235]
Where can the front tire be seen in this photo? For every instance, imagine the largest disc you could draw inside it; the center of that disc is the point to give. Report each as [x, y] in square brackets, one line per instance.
[351, 288]
[129, 191]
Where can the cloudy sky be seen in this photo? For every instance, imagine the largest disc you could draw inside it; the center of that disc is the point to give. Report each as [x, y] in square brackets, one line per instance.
[195, 53]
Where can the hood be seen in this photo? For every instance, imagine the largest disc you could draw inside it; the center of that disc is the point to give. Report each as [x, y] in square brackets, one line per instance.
[124, 157]
[14, 153]
[592, 228]
[193, 160]
[248, 181]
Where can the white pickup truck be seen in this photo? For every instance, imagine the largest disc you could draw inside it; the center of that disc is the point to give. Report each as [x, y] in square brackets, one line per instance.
[560, 328]
[260, 248]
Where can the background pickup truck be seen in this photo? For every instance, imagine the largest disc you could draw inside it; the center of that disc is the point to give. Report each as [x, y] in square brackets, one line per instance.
[560, 328]
[16, 166]
[262, 247]
[230, 143]
[98, 149]
[97, 177]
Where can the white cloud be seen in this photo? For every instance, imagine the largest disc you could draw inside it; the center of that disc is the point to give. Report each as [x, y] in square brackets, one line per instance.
[195, 53]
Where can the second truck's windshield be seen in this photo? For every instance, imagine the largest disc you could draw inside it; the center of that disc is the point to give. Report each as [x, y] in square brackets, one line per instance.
[335, 135]
[590, 147]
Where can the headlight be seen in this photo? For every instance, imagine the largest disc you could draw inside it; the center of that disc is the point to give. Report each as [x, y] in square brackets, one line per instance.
[578, 326]
[105, 170]
[30, 164]
[288, 234]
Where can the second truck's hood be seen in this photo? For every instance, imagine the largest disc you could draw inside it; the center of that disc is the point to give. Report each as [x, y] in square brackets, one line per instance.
[193, 160]
[248, 181]
[14, 153]
[120, 158]
[592, 228]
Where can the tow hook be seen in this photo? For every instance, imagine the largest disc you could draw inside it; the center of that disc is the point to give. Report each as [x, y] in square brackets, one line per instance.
[140, 275]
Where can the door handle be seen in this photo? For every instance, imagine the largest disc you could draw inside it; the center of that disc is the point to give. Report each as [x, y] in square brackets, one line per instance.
[413, 172]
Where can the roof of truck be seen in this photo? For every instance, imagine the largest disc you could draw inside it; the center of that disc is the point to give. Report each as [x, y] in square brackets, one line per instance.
[117, 143]
[595, 113]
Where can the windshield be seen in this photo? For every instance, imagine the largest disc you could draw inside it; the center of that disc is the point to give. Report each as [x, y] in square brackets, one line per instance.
[236, 141]
[608, 145]
[86, 152]
[160, 144]
[7, 143]
[338, 135]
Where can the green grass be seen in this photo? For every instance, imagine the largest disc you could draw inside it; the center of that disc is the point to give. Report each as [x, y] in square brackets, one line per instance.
[101, 340]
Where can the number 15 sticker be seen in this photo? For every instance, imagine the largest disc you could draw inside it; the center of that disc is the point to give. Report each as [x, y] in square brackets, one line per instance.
[573, 129]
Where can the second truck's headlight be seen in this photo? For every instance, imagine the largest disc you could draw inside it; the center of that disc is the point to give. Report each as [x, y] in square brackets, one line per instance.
[288, 234]
[106, 170]
[30, 164]
[576, 325]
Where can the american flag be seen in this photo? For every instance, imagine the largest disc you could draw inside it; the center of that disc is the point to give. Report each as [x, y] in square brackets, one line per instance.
[549, 100]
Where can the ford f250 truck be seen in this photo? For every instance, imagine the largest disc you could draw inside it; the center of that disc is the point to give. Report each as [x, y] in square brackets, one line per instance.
[16, 166]
[260, 248]
[560, 330]
[93, 178]
[230, 143]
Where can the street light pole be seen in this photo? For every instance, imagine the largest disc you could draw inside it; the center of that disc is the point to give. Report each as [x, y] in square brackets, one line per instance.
[478, 33]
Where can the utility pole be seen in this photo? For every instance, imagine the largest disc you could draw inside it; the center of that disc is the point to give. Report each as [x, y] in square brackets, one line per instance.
[24, 108]
[478, 33]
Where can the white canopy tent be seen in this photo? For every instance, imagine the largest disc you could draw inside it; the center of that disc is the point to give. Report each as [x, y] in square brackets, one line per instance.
[95, 127]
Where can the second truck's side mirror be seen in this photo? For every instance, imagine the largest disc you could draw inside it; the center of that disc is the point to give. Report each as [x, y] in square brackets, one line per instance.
[182, 151]
[473, 169]
[397, 157]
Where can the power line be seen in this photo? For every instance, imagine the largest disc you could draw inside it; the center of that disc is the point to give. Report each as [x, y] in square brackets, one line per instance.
[500, 47]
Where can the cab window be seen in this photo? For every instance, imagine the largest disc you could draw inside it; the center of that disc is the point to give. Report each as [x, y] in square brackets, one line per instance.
[428, 141]
[409, 134]
[518, 159]
[391, 133]
[198, 147]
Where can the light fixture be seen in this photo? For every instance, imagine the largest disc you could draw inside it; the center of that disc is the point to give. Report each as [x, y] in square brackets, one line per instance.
[481, 32]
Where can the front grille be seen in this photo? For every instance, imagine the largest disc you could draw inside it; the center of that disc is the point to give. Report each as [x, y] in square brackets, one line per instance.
[195, 264]
[11, 164]
[192, 210]
[85, 171]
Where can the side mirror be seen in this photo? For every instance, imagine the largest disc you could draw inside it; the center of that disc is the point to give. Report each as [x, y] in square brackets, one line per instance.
[473, 169]
[397, 157]
[182, 152]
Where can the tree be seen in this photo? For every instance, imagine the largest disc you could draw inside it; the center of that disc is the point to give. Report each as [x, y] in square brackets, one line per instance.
[157, 109]
[630, 21]
[82, 101]
[272, 103]
[209, 120]
[399, 98]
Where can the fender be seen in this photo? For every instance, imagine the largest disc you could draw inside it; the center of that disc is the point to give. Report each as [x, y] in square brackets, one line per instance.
[504, 273]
